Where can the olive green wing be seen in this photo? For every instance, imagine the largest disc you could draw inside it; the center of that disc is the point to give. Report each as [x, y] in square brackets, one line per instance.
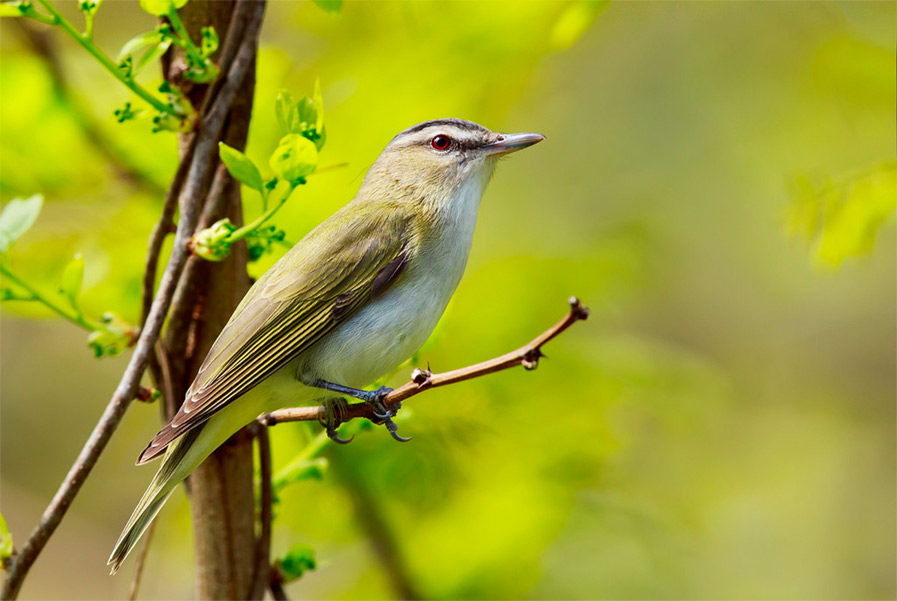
[318, 284]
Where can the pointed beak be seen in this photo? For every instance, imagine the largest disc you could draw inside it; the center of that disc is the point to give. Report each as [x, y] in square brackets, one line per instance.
[511, 143]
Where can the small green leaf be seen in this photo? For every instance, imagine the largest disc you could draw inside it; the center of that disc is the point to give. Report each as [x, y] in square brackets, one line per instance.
[141, 40]
[151, 55]
[298, 560]
[294, 158]
[72, 278]
[308, 114]
[285, 111]
[160, 8]
[12, 9]
[330, 6]
[17, 217]
[6, 544]
[240, 166]
[209, 42]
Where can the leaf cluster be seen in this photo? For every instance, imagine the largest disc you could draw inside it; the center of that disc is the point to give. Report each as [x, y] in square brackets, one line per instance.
[109, 335]
[292, 161]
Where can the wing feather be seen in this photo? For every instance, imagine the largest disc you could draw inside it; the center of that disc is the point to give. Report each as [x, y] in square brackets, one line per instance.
[318, 284]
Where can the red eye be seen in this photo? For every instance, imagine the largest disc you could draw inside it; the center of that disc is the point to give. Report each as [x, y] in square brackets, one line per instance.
[441, 142]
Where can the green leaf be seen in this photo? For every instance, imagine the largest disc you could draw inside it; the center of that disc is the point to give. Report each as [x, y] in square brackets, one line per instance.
[841, 217]
[209, 42]
[6, 544]
[17, 217]
[298, 560]
[240, 166]
[160, 8]
[330, 6]
[11, 9]
[151, 55]
[294, 158]
[72, 278]
[285, 111]
[307, 113]
[141, 40]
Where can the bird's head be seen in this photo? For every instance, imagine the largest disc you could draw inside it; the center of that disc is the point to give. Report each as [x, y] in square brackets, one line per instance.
[432, 161]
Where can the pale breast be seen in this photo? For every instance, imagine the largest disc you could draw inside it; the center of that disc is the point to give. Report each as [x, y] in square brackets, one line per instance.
[390, 328]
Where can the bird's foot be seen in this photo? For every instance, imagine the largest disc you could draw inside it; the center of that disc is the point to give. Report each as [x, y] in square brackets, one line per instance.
[383, 414]
[334, 414]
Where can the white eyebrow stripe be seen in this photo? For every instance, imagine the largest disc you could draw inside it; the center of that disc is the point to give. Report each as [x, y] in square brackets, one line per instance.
[464, 137]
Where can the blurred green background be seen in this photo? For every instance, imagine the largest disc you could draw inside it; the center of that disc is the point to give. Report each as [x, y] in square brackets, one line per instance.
[712, 187]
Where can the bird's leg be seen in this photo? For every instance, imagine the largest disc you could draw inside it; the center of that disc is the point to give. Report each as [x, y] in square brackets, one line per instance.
[334, 415]
[374, 398]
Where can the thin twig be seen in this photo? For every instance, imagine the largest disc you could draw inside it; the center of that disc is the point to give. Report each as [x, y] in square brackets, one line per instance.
[217, 198]
[276, 587]
[204, 156]
[263, 544]
[43, 42]
[164, 368]
[163, 227]
[422, 380]
[141, 562]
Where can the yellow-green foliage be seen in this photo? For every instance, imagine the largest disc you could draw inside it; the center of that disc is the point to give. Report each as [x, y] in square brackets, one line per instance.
[721, 427]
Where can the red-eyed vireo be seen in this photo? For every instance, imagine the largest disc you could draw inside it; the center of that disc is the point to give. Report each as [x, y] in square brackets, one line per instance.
[351, 301]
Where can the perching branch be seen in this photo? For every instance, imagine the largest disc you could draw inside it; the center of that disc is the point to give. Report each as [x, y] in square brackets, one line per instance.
[190, 197]
[422, 380]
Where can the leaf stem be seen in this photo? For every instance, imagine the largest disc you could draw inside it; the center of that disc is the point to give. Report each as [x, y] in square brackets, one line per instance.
[75, 317]
[188, 44]
[251, 227]
[88, 26]
[84, 39]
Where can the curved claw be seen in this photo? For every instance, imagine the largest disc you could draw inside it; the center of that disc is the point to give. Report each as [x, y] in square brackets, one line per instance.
[381, 416]
[393, 431]
[399, 437]
[334, 436]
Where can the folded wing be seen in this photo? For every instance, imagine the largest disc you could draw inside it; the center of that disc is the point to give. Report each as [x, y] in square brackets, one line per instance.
[318, 284]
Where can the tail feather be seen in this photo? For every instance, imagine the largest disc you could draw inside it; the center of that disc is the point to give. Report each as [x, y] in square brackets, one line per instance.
[153, 499]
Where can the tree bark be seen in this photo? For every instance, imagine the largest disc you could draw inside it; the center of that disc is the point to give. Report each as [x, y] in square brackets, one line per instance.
[221, 489]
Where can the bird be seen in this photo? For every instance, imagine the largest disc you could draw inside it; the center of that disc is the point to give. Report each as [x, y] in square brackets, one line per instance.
[350, 302]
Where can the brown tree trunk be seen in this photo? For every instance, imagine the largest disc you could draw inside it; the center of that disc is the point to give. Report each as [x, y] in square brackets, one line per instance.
[221, 489]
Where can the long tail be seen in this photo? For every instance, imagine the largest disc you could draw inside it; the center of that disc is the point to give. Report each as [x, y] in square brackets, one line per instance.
[153, 499]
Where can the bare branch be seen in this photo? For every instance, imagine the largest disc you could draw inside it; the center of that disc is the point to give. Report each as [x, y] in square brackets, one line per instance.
[526, 356]
[163, 227]
[190, 201]
[261, 577]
